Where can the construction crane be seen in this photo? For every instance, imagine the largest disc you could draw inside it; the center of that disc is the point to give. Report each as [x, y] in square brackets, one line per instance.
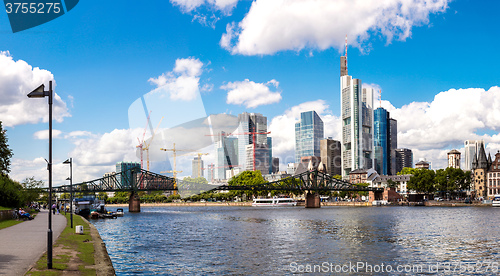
[141, 143]
[174, 151]
[147, 146]
[254, 142]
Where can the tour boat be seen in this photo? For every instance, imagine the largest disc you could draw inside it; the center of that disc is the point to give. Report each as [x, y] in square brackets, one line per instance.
[496, 201]
[277, 201]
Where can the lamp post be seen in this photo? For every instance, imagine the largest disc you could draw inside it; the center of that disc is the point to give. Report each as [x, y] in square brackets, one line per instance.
[70, 178]
[39, 92]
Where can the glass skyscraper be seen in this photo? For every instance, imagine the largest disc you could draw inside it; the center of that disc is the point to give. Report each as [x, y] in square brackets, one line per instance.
[384, 142]
[381, 144]
[308, 133]
[356, 105]
[248, 123]
[226, 149]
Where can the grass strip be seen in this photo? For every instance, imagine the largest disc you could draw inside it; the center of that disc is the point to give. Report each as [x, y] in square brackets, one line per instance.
[69, 241]
[9, 223]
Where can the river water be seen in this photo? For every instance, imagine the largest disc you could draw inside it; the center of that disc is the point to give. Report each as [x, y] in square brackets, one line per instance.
[295, 240]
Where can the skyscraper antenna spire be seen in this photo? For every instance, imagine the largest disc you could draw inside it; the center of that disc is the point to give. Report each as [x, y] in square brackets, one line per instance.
[346, 52]
[380, 97]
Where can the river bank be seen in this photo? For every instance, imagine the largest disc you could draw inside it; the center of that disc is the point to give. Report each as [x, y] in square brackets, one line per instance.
[336, 203]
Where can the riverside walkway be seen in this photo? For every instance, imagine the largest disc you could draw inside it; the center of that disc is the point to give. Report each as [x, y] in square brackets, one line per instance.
[23, 244]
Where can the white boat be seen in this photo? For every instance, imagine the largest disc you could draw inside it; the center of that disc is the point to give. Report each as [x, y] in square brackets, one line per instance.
[496, 201]
[277, 201]
[119, 212]
[380, 203]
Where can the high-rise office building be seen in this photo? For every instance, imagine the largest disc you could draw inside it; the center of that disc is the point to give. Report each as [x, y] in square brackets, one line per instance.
[270, 147]
[384, 141]
[308, 133]
[471, 148]
[248, 123]
[356, 107]
[404, 159]
[331, 156]
[226, 149]
[261, 156]
[197, 167]
[393, 141]
[126, 179]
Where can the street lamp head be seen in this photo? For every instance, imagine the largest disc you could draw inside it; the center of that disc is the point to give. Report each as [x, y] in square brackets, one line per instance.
[39, 92]
[69, 178]
[68, 161]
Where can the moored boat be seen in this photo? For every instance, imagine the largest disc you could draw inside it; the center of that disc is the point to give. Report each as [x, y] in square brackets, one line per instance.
[119, 212]
[276, 201]
[496, 201]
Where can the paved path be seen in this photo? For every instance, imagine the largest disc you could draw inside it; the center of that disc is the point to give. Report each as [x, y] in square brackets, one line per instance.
[23, 244]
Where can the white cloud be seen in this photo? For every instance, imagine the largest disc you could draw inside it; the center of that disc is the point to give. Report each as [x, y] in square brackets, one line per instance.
[251, 94]
[17, 79]
[213, 9]
[273, 26]
[431, 129]
[183, 82]
[44, 134]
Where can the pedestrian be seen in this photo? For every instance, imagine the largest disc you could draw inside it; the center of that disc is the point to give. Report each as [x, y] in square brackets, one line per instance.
[54, 208]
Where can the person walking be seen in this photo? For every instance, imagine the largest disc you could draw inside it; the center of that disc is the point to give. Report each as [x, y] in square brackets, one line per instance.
[54, 208]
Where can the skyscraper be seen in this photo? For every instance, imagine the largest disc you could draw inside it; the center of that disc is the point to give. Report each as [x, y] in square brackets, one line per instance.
[308, 133]
[197, 167]
[125, 179]
[226, 149]
[385, 142]
[330, 156]
[248, 123]
[471, 148]
[356, 107]
[270, 147]
[404, 159]
[454, 159]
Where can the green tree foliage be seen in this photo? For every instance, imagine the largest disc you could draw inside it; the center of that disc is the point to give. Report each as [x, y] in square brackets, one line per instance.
[5, 152]
[422, 181]
[32, 189]
[451, 180]
[191, 186]
[407, 171]
[102, 196]
[391, 183]
[10, 192]
[249, 178]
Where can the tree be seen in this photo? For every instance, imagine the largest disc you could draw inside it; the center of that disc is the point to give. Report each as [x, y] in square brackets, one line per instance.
[5, 152]
[248, 178]
[422, 181]
[391, 183]
[10, 192]
[407, 170]
[32, 189]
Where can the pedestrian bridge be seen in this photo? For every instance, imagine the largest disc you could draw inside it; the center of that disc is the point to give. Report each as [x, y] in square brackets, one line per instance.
[311, 183]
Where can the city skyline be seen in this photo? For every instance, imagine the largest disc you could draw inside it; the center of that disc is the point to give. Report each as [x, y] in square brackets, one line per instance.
[436, 72]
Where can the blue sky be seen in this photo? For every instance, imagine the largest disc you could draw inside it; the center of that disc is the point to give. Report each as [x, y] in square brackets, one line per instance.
[435, 61]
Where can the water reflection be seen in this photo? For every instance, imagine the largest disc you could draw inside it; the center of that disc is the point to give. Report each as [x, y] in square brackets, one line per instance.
[246, 240]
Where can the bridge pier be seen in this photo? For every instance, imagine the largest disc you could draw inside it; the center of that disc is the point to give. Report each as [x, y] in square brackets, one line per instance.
[312, 200]
[134, 203]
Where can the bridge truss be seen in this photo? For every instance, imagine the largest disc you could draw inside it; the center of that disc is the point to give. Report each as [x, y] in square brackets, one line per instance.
[309, 181]
[134, 179]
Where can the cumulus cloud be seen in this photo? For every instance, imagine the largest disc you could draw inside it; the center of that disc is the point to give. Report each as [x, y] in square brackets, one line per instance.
[183, 82]
[206, 12]
[431, 129]
[44, 134]
[17, 79]
[251, 94]
[273, 26]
